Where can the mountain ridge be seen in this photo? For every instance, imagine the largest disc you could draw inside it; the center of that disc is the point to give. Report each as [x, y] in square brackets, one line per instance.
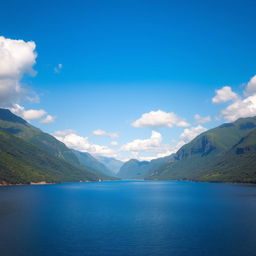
[21, 130]
[200, 159]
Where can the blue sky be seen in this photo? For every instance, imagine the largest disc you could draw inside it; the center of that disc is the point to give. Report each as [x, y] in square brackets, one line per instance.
[122, 59]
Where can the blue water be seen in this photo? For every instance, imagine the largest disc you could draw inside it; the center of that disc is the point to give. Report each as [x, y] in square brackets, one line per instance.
[128, 218]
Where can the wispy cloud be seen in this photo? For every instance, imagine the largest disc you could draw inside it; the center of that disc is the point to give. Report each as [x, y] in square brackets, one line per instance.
[202, 120]
[58, 68]
[100, 132]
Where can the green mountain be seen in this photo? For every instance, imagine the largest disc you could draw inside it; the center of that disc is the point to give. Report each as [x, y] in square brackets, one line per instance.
[19, 128]
[238, 164]
[22, 129]
[111, 163]
[225, 153]
[89, 161]
[22, 162]
[135, 169]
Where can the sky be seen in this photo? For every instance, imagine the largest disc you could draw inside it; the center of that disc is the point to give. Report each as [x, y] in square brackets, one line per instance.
[128, 79]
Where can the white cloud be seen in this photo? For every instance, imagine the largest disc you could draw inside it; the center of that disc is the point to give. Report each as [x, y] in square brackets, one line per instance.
[48, 119]
[32, 114]
[151, 144]
[202, 120]
[251, 87]
[104, 133]
[224, 94]
[161, 151]
[240, 108]
[160, 118]
[72, 140]
[186, 136]
[153, 148]
[17, 57]
[63, 133]
[58, 68]
[165, 150]
[139, 147]
[27, 114]
[169, 152]
[190, 133]
[114, 143]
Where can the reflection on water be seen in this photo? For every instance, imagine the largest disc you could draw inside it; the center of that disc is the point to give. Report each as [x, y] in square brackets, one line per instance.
[128, 218]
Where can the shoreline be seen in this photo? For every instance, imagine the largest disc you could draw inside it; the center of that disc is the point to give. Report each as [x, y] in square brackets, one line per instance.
[6, 184]
[202, 181]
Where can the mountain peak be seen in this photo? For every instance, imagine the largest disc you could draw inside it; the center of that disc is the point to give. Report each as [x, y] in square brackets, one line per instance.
[7, 115]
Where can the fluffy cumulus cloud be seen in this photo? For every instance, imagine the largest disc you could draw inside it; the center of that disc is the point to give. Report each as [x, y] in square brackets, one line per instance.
[242, 106]
[17, 57]
[224, 94]
[202, 120]
[190, 133]
[153, 148]
[104, 133]
[30, 114]
[251, 87]
[151, 144]
[160, 118]
[72, 140]
[48, 119]
[147, 149]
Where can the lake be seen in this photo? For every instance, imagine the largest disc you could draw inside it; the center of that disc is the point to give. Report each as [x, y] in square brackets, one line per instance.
[128, 218]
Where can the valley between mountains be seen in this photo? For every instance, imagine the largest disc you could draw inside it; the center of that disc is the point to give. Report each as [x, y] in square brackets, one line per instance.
[226, 153]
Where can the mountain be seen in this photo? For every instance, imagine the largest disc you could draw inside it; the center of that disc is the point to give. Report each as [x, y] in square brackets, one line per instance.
[225, 153]
[111, 163]
[135, 169]
[88, 160]
[238, 164]
[22, 129]
[22, 162]
[19, 128]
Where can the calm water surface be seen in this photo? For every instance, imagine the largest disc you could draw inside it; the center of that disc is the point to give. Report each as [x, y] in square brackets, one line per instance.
[128, 218]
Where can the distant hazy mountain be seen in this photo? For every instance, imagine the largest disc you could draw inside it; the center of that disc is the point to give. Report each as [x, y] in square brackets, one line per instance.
[88, 160]
[226, 153]
[35, 138]
[135, 169]
[111, 163]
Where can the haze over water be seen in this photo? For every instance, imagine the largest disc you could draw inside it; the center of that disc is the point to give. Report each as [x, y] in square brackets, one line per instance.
[128, 218]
